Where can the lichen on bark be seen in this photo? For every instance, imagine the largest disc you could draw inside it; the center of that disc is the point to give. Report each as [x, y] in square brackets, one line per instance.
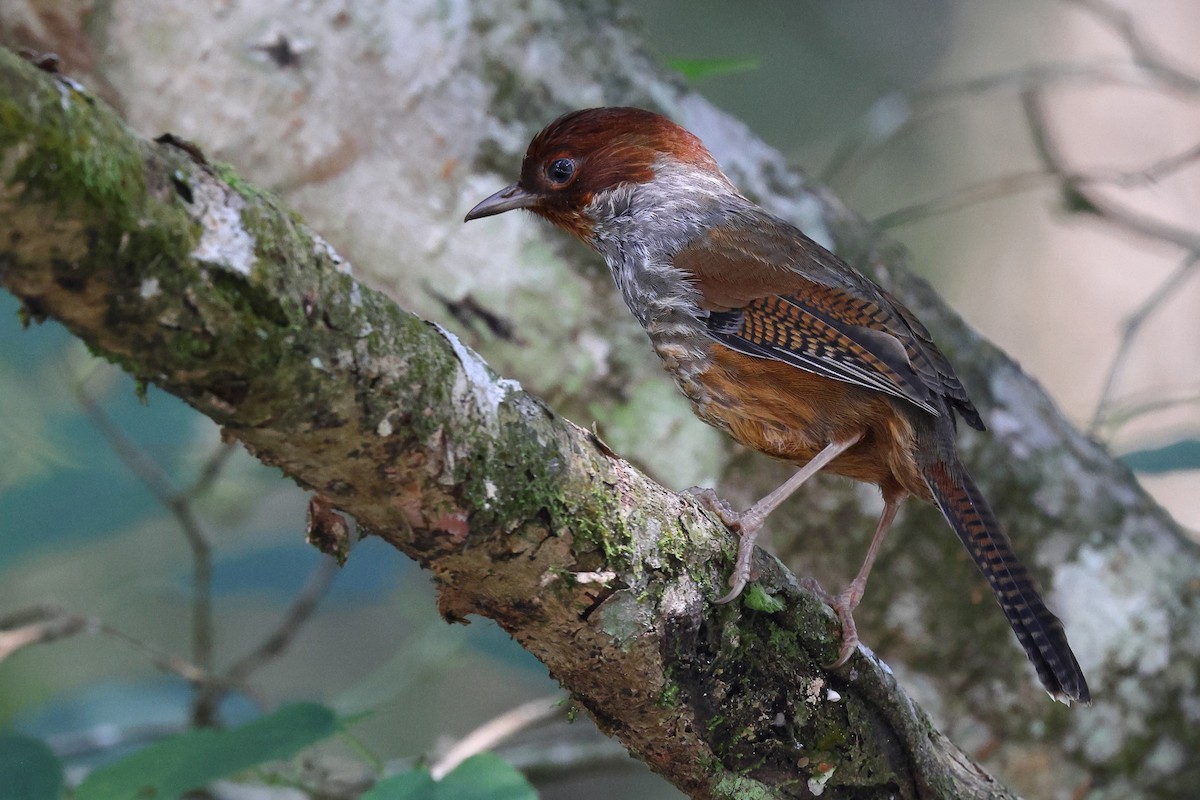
[396, 422]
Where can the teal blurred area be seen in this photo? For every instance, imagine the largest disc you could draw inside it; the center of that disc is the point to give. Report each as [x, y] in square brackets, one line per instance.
[59, 482]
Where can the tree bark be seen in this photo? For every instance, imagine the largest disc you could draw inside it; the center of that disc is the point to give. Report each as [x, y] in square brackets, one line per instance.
[383, 141]
[213, 291]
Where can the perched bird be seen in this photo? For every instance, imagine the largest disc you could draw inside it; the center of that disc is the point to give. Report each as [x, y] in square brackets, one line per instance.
[779, 343]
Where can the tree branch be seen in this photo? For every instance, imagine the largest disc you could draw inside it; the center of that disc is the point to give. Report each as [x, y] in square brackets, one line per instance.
[384, 146]
[216, 293]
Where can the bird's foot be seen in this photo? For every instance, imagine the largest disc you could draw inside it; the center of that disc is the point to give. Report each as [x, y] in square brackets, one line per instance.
[709, 501]
[741, 523]
[843, 604]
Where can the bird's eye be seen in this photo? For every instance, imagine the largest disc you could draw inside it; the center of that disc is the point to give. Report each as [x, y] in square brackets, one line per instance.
[560, 170]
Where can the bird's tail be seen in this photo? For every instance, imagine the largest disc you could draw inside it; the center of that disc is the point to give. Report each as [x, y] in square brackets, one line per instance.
[1039, 631]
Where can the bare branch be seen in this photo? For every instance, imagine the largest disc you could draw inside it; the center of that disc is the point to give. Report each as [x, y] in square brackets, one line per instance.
[1008, 185]
[1123, 410]
[36, 626]
[43, 623]
[279, 640]
[178, 503]
[210, 471]
[496, 730]
[1145, 55]
[1129, 331]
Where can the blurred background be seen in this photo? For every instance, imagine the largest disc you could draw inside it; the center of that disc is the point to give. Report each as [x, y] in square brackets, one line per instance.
[909, 111]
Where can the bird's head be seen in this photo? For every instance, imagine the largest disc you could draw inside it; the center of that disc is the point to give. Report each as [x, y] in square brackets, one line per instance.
[585, 156]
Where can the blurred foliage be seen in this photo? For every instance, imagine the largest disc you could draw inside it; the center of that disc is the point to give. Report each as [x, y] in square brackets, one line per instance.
[695, 69]
[481, 777]
[29, 770]
[1180, 455]
[191, 760]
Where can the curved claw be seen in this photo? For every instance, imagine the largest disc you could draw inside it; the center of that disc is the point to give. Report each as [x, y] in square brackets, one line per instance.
[849, 638]
[843, 605]
[738, 582]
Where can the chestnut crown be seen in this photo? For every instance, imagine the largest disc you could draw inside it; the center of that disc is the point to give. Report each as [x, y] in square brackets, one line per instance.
[589, 151]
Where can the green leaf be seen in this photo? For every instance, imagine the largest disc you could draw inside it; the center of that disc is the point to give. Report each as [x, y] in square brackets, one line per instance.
[1180, 455]
[695, 69]
[190, 760]
[759, 600]
[28, 769]
[482, 777]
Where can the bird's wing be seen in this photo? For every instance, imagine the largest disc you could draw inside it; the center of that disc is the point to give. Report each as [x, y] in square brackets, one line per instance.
[772, 292]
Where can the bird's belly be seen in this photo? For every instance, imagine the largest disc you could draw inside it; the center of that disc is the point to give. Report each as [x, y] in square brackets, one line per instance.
[790, 414]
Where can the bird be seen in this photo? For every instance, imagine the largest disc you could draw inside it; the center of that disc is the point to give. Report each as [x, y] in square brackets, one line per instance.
[779, 343]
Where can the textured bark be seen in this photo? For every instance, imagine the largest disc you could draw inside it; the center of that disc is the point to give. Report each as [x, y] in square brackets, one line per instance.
[394, 119]
[217, 294]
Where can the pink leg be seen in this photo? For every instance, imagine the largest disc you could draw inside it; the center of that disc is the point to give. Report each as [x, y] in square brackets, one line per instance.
[751, 520]
[845, 603]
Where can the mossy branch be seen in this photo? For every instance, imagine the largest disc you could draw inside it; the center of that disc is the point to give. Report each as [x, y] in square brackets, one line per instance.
[216, 293]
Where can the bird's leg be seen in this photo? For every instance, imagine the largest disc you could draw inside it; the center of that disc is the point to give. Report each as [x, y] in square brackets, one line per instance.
[845, 602]
[750, 521]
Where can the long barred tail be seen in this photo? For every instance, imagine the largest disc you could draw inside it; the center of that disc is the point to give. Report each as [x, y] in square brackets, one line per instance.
[1039, 631]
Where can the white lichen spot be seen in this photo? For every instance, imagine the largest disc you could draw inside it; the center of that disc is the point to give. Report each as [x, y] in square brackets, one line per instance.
[816, 784]
[1191, 709]
[322, 247]
[812, 692]
[1104, 735]
[149, 288]
[343, 359]
[1166, 758]
[597, 349]
[1113, 613]
[224, 242]
[476, 383]
[356, 295]
[490, 489]
[680, 599]
[601, 577]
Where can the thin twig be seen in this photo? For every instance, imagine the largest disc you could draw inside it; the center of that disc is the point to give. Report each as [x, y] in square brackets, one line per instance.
[196, 674]
[1124, 411]
[1107, 72]
[1008, 185]
[275, 643]
[496, 730]
[178, 503]
[45, 623]
[38, 625]
[1051, 157]
[1130, 329]
[210, 471]
[965, 197]
[284, 634]
[1144, 54]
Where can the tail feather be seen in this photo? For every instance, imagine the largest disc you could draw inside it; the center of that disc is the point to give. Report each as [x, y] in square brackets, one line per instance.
[1039, 631]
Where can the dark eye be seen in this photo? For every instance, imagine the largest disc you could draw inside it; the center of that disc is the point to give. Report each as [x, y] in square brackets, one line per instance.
[560, 170]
